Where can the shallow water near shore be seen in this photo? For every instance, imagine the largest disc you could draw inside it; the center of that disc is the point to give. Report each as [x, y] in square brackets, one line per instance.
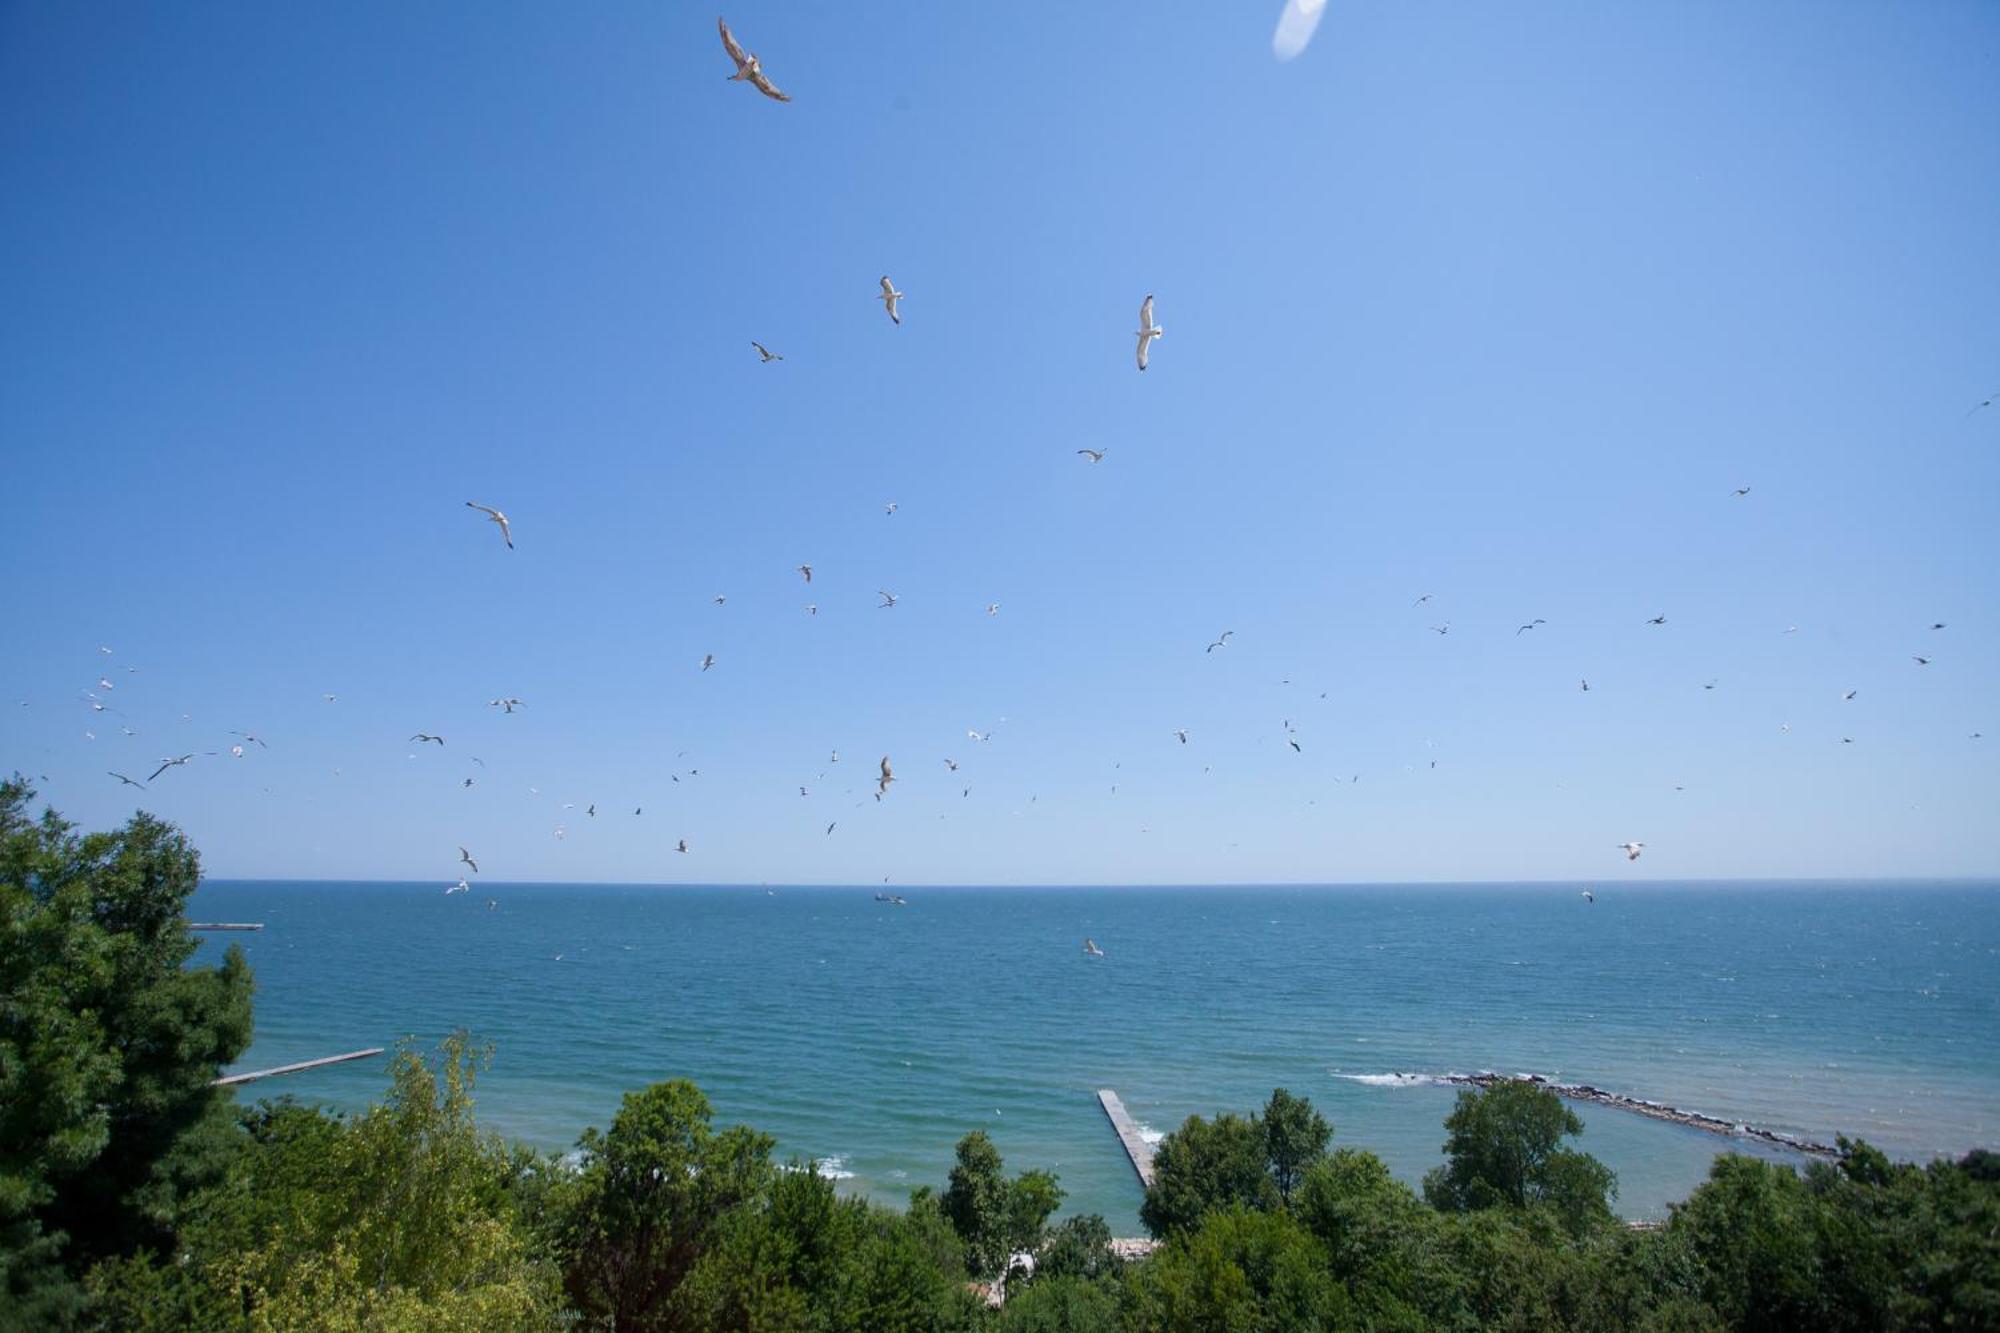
[871, 1036]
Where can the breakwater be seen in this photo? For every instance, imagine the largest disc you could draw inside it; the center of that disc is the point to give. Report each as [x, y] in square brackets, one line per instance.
[1584, 1092]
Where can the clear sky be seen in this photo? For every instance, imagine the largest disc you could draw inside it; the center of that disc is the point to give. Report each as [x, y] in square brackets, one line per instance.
[1494, 303]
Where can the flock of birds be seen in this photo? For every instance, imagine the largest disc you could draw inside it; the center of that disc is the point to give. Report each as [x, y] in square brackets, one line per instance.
[749, 70]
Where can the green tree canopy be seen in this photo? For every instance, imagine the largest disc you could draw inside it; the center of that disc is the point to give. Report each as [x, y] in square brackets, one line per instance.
[1295, 1136]
[109, 1049]
[1504, 1147]
[1204, 1166]
[995, 1216]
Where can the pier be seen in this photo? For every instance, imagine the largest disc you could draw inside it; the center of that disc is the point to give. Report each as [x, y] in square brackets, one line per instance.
[225, 925]
[256, 1074]
[1140, 1151]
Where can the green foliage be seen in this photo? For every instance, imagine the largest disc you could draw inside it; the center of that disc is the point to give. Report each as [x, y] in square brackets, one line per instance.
[1078, 1247]
[650, 1199]
[1295, 1136]
[109, 1048]
[993, 1215]
[404, 1216]
[1206, 1166]
[1504, 1147]
[1240, 1270]
[1061, 1304]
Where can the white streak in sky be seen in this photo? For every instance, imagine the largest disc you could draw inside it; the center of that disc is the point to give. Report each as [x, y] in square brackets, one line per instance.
[1295, 27]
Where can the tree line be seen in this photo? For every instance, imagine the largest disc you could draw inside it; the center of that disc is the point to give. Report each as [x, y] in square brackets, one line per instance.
[136, 1195]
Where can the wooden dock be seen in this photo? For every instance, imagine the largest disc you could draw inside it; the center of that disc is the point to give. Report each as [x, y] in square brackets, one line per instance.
[256, 1074]
[225, 925]
[1140, 1151]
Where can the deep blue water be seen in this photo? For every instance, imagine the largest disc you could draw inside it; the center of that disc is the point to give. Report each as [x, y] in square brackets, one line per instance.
[876, 1035]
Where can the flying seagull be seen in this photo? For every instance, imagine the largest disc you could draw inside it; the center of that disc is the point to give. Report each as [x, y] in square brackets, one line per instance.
[882, 783]
[1657, 620]
[1421, 600]
[807, 572]
[748, 70]
[255, 740]
[888, 298]
[1441, 629]
[707, 661]
[890, 508]
[888, 599]
[127, 781]
[1148, 330]
[1589, 897]
[993, 608]
[682, 845]
[424, 736]
[1631, 849]
[506, 705]
[1221, 642]
[951, 764]
[1586, 686]
[765, 352]
[1530, 625]
[1849, 695]
[465, 858]
[1181, 732]
[980, 735]
[1921, 661]
[1740, 492]
[1090, 948]
[1989, 400]
[496, 516]
[1094, 455]
[829, 829]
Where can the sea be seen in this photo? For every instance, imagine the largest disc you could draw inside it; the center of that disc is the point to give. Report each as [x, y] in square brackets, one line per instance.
[868, 1036]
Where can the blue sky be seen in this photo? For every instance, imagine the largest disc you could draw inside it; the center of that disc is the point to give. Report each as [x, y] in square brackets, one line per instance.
[1497, 304]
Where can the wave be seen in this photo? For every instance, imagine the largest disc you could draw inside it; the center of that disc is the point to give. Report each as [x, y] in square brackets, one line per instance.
[1398, 1080]
[1151, 1135]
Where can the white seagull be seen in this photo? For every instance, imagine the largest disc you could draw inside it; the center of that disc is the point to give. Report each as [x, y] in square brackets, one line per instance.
[888, 298]
[496, 516]
[1631, 849]
[807, 571]
[1094, 455]
[882, 783]
[506, 705]
[1148, 330]
[465, 858]
[168, 763]
[888, 599]
[748, 70]
[765, 352]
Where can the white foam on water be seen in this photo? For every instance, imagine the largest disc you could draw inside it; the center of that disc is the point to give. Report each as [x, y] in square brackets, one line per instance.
[1389, 1080]
[1150, 1135]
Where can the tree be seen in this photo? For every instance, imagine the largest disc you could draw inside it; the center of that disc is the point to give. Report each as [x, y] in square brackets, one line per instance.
[649, 1200]
[1295, 1136]
[1078, 1247]
[994, 1216]
[1207, 1165]
[1504, 1147]
[1240, 1269]
[109, 1049]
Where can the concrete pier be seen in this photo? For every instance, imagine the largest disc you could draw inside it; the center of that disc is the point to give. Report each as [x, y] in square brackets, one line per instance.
[255, 1074]
[225, 925]
[1140, 1151]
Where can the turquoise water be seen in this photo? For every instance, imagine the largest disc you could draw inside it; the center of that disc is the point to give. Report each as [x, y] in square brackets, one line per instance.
[873, 1036]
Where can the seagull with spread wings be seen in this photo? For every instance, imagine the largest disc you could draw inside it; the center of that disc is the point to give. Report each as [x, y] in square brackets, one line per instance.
[465, 858]
[1222, 642]
[748, 68]
[882, 783]
[127, 781]
[888, 298]
[1148, 330]
[766, 353]
[496, 516]
[1631, 849]
[1094, 455]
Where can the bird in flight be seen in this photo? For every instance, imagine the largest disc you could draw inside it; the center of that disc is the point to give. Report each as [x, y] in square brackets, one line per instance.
[882, 783]
[951, 764]
[979, 735]
[681, 846]
[128, 781]
[720, 599]
[1094, 455]
[806, 571]
[424, 736]
[1849, 695]
[812, 608]
[1921, 661]
[888, 298]
[331, 698]
[890, 508]
[1148, 330]
[1181, 734]
[766, 353]
[888, 599]
[1221, 642]
[829, 829]
[1530, 625]
[1589, 897]
[253, 739]
[465, 858]
[496, 516]
[748, 70]
[1293, 741]
[1988, 401]
[1740, 492]
[707, 661]
[1586, 686]
[993, 608]
[1657, 620]
[1421, 600]
[1631, 849]
[506, 705]
[1441, 629]
[1938, 625]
